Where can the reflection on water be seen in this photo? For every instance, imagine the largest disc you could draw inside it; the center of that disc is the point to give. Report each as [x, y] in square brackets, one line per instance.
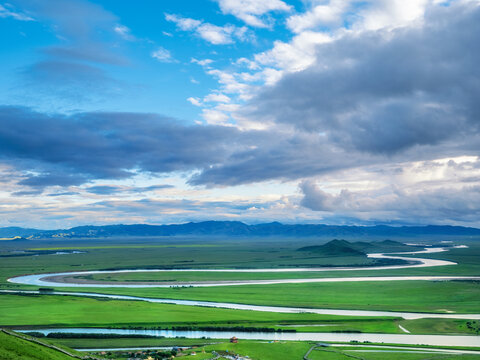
[434, 340]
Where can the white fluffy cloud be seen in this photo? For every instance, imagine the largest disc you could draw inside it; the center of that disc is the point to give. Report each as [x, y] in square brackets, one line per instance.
[296, 55]
[162, 55]
[214, 34]
[252, 12]
[185, 24]
[392, 13]
[124, 32]
[323, 14]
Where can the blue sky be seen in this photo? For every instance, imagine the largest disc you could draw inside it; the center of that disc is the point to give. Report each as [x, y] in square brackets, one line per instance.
[332, 111]
[127, 36]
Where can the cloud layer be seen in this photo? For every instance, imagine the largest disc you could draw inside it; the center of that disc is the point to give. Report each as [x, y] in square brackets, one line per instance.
[368, 109]
[386, 92]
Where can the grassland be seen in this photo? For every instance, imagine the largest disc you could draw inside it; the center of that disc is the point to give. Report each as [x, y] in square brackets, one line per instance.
[167, 254]
[66, 311]
[410, 296]
[192, 253]
[14, 348]
[184, 253]
[192, 276]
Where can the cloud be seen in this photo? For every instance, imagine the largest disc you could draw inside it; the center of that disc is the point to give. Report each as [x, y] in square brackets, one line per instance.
[48, 179]
[185, 24]
[8, 11]
[203, 62]
[54, 149]
[84, 35]
[217, 35]
[360, 102]
[215, 117]
[74, 68]
[438, 191]
[162, 55]
[104, 189]
[363, 93]
[359, 15]
[195, 101]
[28, 192]
[124, 32]
[55, 212]
[318, 200]
[64, 193]
[253, 12]
[323, 14]
[393, 13]
[117, 189]
[297, 55]
[69, 150]
[278, 155]
[217, 97]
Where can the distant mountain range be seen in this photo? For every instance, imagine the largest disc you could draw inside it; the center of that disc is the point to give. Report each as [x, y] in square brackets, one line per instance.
[236, 228]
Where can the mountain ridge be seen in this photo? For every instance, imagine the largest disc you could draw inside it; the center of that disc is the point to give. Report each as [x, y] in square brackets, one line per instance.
[237, 228]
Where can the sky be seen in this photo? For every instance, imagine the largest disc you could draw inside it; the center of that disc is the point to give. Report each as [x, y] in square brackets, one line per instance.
[300, 111]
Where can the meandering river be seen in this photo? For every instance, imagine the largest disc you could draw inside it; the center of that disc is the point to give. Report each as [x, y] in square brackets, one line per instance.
[67, 279]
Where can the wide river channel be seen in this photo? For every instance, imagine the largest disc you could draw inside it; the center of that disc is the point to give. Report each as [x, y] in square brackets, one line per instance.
[432, 340]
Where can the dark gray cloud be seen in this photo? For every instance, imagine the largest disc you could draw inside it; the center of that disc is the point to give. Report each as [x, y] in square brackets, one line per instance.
[28, 192]
[70, 150]
[384, 92]
[279, 155]
[47, 179]
[104, 189]
[114, 189]
[65, 193]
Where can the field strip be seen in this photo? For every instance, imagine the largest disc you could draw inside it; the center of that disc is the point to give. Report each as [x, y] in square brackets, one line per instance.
[275, 309]
[446, 351]
[407, 339]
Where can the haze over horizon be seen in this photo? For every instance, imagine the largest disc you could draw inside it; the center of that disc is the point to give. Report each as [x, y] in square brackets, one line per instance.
[297, 111]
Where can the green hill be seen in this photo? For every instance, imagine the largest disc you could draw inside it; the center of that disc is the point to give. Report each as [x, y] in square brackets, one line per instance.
[13, 348]
[360, 248]
[334, 248]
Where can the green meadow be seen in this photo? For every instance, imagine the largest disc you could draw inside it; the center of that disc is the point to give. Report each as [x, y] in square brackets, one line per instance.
[69, 311]
[14, 348]
[34, 311]
[409, 296]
